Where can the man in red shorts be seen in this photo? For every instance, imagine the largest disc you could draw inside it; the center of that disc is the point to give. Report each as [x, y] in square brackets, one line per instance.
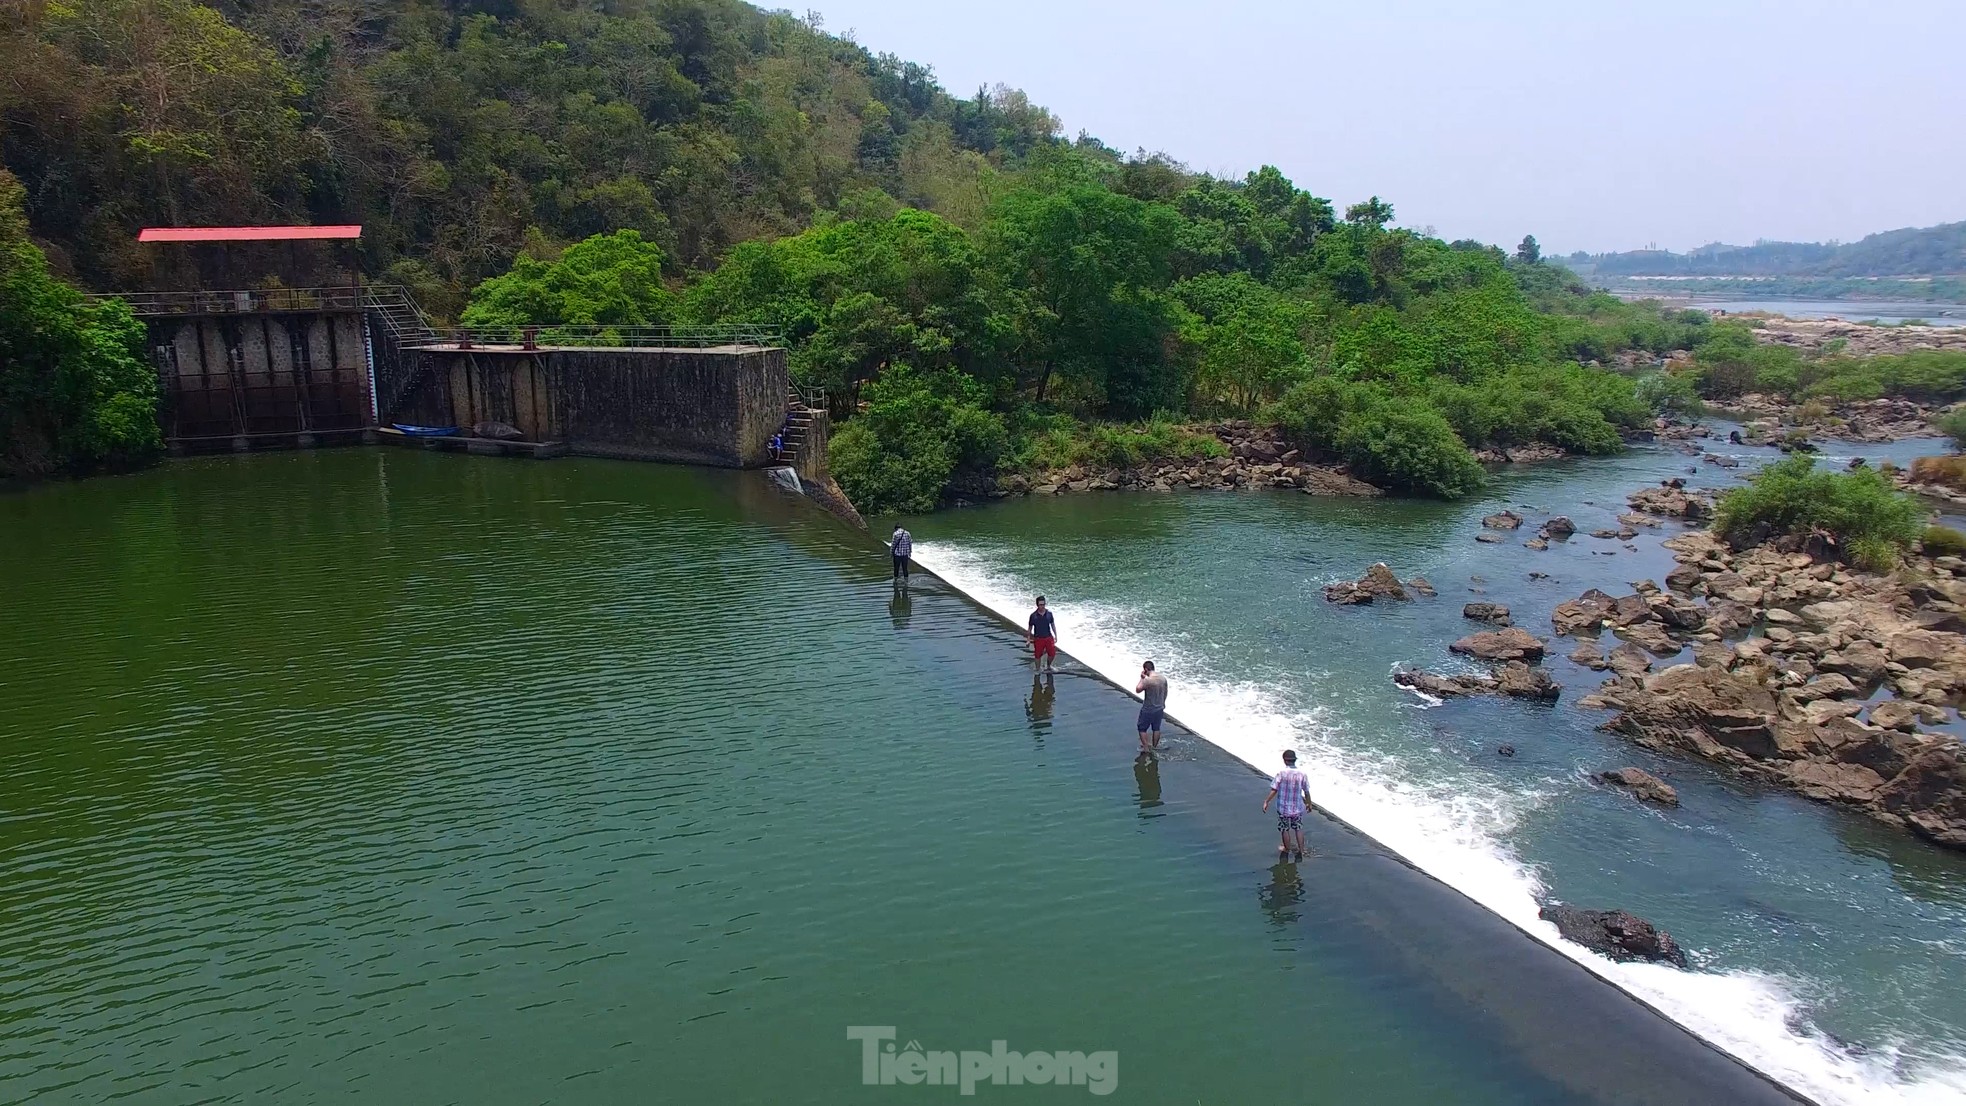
[1042, 632]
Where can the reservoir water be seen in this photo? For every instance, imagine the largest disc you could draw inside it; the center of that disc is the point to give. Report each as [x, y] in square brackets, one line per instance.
[451, 779]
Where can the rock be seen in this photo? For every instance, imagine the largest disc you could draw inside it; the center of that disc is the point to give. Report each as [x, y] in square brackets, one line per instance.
[1929, 795]
[1346, 593]
[1047, 489]
[1586, 654]
[1538, 544]
[1014, 484]
[1560, 527]
[1685, 579]
[1830, 781]
[1486, 612]
[1382, 583]
[1827, 685]
[1671, 502]
[1419, 586]
[1379, 582]
[1488, 537]
[1779, 617]
[1444, 687]
[1503, 520]
[1586, 612]
[1505, 750]
[1651, 636]
[1894, 714]
[1642, 784]
[1519, 681]
[1628, 659]
[1512, 644]
[1615, 933]
[1860, 660]
[1604, 533]
[501, 431]
[1925, 648]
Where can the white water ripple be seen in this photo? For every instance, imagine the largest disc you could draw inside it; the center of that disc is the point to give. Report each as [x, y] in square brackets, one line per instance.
[1459, 838]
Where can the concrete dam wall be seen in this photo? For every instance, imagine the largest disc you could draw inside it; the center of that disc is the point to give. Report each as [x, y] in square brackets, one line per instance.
[713, 406]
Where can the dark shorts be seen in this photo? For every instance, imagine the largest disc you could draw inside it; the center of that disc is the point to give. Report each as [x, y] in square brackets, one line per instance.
[1150, 718]
[1289, 823]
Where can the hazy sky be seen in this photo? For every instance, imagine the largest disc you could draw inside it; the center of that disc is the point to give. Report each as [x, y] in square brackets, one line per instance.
[1593, 124]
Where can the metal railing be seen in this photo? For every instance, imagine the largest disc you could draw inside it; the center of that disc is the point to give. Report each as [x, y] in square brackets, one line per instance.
[597, 336]
[241, 301]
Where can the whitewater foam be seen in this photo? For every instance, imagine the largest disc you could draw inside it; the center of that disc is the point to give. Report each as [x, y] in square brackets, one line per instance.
[1457, 837]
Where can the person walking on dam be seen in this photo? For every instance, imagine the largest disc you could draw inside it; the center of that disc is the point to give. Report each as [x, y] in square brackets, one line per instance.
[1292, 791]
[903, 547]
[1041, 630]
[1152, 690]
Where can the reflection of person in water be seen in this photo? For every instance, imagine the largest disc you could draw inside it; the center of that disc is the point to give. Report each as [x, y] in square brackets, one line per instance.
[1282, 895]
[1146, 773]
[1038, 707]
[897, 608]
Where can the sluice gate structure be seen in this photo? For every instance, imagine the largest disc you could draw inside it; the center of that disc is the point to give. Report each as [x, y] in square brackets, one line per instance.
[286, 368]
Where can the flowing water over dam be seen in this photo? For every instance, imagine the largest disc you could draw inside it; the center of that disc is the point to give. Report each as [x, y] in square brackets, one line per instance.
[1828, 949]
[443, 779]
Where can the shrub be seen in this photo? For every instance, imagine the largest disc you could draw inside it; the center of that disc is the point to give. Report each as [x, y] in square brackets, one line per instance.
[1943, 541]
[1871, 521]
[1947, 472]
[1409, 448]
[1953, 425]
[1400, 443]
[1062, 442]
[1670, 394]
[915, 437]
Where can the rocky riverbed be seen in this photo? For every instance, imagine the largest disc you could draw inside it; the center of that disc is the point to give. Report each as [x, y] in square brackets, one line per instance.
[1255, 458]
[1776, 661]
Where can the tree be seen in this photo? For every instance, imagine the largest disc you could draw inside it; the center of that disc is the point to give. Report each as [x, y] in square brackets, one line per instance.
[1374, 213]
[1084, 267]
[1528, 252]
[75, 390]
[607, 280]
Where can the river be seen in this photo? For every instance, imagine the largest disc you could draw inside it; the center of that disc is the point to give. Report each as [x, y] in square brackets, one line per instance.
[440, 778]
[1828, 950]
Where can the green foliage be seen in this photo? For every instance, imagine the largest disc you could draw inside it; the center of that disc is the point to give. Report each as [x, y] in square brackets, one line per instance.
[1570, 407]
[1120, 446]
[607, 280]
[1401, 445]
[1953, 425]
[75, 390]
[1942, 541]
[1669, 394]
[1871, 520]
[916, 436]
[1930, 375]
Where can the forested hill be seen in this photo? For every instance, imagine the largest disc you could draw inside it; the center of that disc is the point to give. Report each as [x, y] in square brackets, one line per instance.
[461, 131]
[1920, 251]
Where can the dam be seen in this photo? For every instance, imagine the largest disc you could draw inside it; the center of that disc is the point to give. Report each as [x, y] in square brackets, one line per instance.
[284, 368]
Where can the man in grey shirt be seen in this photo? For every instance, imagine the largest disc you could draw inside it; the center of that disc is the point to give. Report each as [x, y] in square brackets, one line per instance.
[1152, 690]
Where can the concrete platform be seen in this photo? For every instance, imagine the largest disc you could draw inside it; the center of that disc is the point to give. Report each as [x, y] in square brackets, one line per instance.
[464, 443]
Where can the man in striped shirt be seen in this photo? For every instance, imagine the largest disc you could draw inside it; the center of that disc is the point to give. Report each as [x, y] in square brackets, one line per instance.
[1292, 791]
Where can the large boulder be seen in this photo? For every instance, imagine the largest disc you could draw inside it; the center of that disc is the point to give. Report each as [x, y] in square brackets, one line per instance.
[1379, 582]
[1514, 679]
[1559, 527]
[1511, 644]
[1615, 933]
[1519, 681]
[1925, 648]
[1649, 636]
[1486, 612]
[1502, 520]
[1642, 784]
[1930, 794]
[1586, 613]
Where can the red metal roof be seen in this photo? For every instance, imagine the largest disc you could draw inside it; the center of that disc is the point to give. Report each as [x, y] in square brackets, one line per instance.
[244, 234]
